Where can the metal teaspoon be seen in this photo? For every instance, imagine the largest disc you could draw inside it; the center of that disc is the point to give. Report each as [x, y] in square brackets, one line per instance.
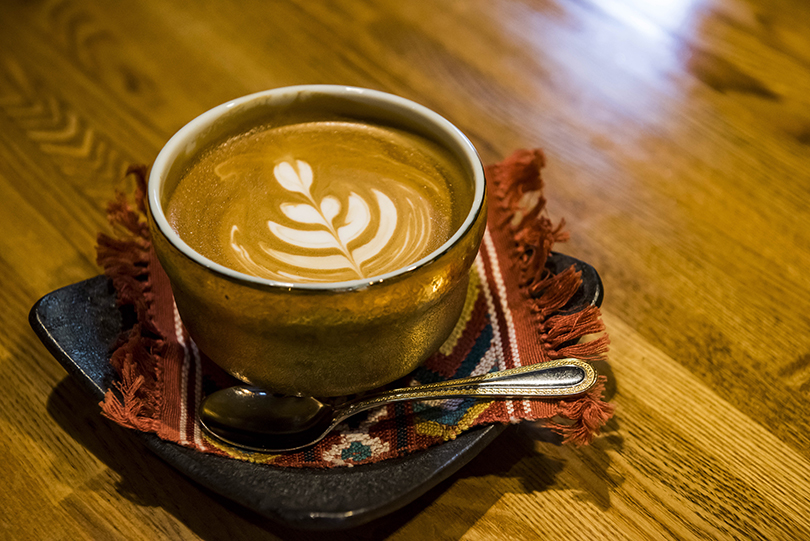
[257, 420]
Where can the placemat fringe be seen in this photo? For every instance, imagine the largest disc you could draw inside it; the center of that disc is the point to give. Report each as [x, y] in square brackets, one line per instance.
[137, 354]
[518, 189]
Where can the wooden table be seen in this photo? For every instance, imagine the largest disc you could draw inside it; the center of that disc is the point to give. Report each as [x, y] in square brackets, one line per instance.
[678, 140]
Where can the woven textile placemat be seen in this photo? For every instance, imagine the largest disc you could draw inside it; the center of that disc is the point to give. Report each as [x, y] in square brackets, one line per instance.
[511, 318]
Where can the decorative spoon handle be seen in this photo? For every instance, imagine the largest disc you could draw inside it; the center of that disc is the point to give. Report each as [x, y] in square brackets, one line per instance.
[560, 378]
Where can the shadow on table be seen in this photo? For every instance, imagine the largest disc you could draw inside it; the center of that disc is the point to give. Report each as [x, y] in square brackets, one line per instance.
[145, 480]
[588, 466]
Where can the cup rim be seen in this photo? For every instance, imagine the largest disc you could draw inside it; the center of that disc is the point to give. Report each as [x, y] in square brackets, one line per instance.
[183, 139]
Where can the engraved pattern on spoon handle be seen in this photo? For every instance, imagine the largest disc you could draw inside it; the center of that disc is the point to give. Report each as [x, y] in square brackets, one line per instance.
[524, 381]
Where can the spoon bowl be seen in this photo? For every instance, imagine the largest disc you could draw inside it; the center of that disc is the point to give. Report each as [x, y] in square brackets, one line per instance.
[257, 420]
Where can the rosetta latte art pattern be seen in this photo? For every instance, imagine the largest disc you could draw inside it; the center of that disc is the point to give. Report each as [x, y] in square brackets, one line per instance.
[328, 238]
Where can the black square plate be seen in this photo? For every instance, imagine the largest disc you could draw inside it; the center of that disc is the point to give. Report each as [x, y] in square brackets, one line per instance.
[79, 323]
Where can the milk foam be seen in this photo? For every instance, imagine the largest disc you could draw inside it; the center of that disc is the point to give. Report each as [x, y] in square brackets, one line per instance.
[331, 234]
[318, 202]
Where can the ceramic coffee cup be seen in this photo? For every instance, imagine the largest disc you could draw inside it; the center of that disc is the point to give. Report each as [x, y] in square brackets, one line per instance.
[317, 339]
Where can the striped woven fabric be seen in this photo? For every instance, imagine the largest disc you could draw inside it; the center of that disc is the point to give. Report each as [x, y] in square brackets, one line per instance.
[510, 319]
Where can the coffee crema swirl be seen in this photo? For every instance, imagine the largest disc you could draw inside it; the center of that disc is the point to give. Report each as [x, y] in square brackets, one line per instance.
[323, 201]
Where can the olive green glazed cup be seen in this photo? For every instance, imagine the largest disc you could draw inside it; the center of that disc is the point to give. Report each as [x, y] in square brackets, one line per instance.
[317, 339]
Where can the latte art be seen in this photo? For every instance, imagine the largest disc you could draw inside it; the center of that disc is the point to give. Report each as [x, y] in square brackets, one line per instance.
[338, 227]
[319, 202]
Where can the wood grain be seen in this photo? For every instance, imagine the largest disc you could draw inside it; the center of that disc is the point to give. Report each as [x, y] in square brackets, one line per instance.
[678, 140]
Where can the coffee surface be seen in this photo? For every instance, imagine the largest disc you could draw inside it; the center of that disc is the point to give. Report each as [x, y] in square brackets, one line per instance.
[322, 201]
